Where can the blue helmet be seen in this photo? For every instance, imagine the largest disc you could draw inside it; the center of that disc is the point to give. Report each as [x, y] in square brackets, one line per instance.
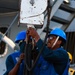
[20, 36]
[58, 32]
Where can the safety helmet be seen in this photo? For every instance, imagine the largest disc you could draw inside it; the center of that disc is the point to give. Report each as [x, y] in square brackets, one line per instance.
[70, 56]
[20, 36]
[58, 32]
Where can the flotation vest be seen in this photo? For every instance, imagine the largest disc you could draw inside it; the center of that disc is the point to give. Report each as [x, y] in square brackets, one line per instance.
[44, 68]
[15, 57]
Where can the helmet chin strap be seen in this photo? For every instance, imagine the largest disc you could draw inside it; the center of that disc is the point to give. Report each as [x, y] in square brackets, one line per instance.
[55, 42]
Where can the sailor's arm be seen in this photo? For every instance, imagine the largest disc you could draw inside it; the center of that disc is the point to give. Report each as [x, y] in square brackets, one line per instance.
[14, 71]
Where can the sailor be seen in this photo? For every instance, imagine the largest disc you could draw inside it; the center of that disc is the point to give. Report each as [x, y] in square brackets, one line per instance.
[54, 59]
[71, 70]
[14, 61]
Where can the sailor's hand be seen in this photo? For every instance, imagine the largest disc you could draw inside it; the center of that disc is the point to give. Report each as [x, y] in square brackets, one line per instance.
[28, 36]
[33, 33]
[22, 55]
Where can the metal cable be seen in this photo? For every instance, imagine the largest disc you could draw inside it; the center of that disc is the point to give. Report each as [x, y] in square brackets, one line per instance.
[48, 23]
[11, 24]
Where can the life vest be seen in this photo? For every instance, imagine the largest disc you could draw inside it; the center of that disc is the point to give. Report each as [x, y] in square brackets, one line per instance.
[15, 57]
[44, 68]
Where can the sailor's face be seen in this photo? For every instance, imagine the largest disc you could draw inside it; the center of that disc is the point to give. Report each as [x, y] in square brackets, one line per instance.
[51, 40]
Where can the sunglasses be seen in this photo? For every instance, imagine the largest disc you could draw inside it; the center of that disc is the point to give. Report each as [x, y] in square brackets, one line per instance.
[52, 37]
